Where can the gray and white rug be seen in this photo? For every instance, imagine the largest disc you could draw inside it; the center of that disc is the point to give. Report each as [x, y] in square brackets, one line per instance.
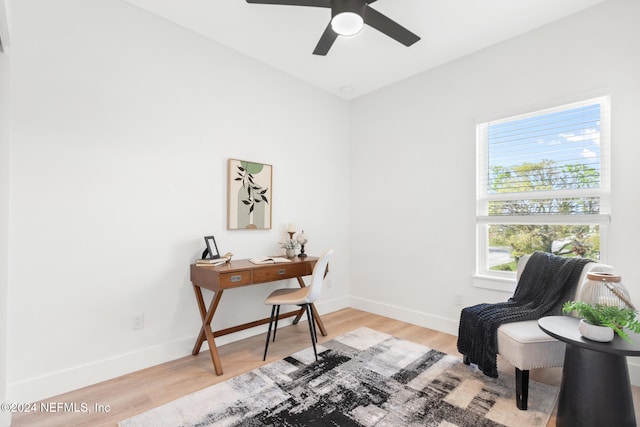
[363, 378]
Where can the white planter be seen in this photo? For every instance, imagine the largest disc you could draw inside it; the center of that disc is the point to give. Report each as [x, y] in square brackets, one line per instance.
[595, 333]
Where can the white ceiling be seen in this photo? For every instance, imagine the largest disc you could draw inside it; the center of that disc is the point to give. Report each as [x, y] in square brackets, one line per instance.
[285, 36]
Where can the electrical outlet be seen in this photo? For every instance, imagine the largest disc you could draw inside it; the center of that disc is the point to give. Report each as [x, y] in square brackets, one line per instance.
[137, 321]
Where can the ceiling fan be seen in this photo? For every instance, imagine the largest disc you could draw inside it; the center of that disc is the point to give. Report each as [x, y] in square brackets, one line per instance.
[347, 18]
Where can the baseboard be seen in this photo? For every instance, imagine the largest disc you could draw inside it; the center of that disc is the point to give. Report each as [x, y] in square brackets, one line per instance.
[55, 383]
[420, 318]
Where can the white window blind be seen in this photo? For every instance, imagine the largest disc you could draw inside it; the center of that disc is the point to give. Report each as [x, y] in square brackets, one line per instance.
[545, 167]
[551, 162]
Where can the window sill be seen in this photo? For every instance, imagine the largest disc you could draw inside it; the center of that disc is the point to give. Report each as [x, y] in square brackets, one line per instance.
[494, 283]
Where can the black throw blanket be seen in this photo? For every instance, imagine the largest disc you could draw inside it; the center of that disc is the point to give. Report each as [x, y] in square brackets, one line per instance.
[545, 284]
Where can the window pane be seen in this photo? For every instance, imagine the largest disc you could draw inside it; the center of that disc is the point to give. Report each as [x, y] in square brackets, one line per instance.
[508, 242]
[546, 152]
[543, 185]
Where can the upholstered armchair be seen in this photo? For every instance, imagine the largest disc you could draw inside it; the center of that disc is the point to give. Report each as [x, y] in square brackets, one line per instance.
[525, 346]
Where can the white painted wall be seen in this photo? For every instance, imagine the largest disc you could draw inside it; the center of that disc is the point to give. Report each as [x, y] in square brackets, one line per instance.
[412, 197]
[122, 127]
[5, 417]
[4, 221]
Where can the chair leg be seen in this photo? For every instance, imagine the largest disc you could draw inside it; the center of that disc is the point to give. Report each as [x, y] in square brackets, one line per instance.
[313, 321]
[465, 359]
[311, 332]
[276, 325]
[266, 345]
[522, 388]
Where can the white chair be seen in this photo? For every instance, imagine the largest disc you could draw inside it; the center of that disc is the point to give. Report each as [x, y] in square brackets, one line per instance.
[302, 297]
[526, 346]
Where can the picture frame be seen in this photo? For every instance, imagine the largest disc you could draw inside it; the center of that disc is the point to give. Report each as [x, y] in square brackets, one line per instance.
[212, 249]
[249, 195]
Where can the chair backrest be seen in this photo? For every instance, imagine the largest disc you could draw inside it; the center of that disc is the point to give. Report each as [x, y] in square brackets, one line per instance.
[317, 276]
[590, 267]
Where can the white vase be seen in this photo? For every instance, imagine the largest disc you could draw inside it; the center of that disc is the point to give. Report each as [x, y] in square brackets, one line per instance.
[594, 332]
[291, 253]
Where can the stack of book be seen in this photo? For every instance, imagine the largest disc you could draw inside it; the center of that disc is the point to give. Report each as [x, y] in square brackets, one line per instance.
[213, 262]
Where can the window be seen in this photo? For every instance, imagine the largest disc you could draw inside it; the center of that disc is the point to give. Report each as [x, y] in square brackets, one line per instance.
[543, 184]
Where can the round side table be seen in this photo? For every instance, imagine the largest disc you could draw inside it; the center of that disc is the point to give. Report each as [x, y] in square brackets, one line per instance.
[595, 389]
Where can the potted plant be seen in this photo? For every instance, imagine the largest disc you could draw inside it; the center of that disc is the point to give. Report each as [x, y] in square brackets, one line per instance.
[610, 318]
[290, 247]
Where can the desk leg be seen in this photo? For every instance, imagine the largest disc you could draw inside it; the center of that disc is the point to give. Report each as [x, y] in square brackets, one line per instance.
[299, 316]
[316, 316]
[205, 330]
[595, 390]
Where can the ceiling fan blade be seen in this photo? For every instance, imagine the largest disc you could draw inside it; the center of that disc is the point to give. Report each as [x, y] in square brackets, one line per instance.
[316, 3]
[389, 27]
[326, 41]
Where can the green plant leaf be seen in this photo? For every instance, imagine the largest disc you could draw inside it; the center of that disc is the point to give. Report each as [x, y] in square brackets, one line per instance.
[613, 317]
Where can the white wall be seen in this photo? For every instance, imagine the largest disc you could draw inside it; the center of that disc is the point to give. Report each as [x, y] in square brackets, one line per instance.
[412, 197]
[4, 219]
[122, 127]
[5, 417]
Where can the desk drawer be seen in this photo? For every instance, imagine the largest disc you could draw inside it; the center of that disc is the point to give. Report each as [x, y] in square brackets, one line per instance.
[235, 278]
[279, 272]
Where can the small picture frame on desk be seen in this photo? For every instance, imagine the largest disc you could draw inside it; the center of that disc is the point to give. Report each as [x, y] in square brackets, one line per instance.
[212, 249]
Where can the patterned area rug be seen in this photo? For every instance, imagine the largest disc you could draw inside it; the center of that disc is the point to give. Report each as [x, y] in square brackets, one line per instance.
[363, 378]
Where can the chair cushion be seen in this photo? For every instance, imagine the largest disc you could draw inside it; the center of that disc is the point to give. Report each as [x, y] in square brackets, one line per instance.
[288, 296]
[526, 346]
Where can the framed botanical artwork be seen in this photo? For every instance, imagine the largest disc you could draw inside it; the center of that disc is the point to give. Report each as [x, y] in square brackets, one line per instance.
[249, 195]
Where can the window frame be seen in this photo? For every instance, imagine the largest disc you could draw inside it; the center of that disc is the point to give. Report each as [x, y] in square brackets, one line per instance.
[506, 279]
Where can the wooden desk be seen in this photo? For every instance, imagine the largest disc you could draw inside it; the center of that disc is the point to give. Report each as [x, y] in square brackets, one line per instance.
[239, 273]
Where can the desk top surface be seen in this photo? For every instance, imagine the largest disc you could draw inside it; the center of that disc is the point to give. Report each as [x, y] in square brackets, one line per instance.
[245, 264]
[565, 329]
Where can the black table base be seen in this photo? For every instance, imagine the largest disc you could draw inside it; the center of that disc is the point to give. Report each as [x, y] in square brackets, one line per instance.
[595, 390]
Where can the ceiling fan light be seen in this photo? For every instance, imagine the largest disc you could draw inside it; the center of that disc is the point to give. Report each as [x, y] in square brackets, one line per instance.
[347, 23]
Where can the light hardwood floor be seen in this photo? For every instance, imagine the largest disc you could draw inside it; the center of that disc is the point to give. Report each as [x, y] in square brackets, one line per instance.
[142, 390]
